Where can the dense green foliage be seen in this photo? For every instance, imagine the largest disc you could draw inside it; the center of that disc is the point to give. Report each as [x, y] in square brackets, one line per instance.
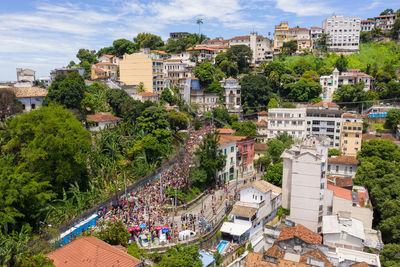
[241, 55]
[393, 118]
[41, 153]
[334, 152]
[378, 172]
[246, 128]
[256, 93]
[181, 256]
[114, 233]
[183, 43]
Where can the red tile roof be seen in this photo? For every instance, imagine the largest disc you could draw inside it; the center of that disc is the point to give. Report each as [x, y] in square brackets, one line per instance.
[366, 20]
[201, 48]
[314, 28]
[340, 181]
[108, 56]
[386, 16]
[301, 232]
[90, 251]
[159, 52]
[98, 70]
[275, 252]
[21, 92]
[147, 94]
[101, 117]
[105, 64]
[323, 104]
[347, 160]
[340, 192]
[225, 131]
[241, 37]
[262, 113]
[297, 28]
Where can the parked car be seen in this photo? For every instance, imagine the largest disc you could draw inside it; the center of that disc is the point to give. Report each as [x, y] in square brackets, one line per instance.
[186, 234]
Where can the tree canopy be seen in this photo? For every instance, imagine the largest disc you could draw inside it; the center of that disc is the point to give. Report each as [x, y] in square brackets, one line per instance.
[148, 40]
[241, 55]
[256, 92]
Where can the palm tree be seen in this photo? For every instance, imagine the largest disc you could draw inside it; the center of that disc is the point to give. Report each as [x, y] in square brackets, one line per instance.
[199, 22]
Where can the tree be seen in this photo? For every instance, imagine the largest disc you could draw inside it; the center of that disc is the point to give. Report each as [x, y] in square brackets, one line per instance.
[67, 91]
[87, 55]
[387, 11]
[141, 88]
[9, 104]
[394, 32]
[184, 42]
[334, 152]
[181, 256]
[106, 51]
[390, 255]
[341, 63]
[277, 145]
[289, 48]
[255, 91]
[273, 103]
[210, 157]
[166, 96]
[229, 68]
[221, 117]
[302, 91]
[122, 47]
[393, 118]
[199, 22]
[177, 120]
[349, 94]
[247, 128]
[274, 174]
[241, 55]
[198, 177]
[114, 233]
[214, 87]
[148, 40]
[205, 73]
[323, 41]
[301, 67]
[136, 251]
[51, 144]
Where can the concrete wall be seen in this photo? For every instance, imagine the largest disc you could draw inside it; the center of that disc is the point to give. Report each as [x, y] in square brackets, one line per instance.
[136, 68]
[344, 240]
[31, 103]
[365, 215]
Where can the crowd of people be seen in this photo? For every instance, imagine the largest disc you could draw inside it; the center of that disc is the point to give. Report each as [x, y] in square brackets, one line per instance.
[145, 211]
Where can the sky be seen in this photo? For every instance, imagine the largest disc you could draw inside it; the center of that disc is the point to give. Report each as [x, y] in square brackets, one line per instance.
[46, 34]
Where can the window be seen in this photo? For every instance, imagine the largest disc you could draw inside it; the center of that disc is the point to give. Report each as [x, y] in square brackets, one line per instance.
[231, 159]
[232, 149]
[337, 168]
[23, 107]
[225, 151]
[357, 135]
[33, 106]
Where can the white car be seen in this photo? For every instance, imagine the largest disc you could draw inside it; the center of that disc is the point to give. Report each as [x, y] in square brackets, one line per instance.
[144, 240]
[186, 234]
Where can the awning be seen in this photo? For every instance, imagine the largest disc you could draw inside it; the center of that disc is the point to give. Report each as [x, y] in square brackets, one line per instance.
[234, 228]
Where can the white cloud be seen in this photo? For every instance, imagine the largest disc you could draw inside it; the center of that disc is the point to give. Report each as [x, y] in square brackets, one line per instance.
[304, 7]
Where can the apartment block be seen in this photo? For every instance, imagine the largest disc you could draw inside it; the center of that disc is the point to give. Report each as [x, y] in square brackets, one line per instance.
[261, 46]
[304, 182]
[231, 94]
[315, 34]
[367, 25]
[385, 22]
[287, 120]
[325, 118]
[143, 67]
[344, 33]
[351, 135]
[281, 35]
[104, 70]
[176, 71]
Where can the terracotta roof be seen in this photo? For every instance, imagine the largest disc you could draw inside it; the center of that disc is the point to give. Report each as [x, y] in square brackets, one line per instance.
[262, 113]
[317, 255]
[241, 37]
[301, 232]
[225, 131]
[256, 260]
[159, 52]
[347, 160]
[297, 28]
[173, 60]
[261, 123]
[360, 264]
[101, 117]
[231, 79]
[314, 28]
[90, 251]
[349, 115]
[98, 70]
[146, 94]
[340, 181]
[386, 16]
[104, 64]
[275, 251]
[260, 147]
[324, 104]
[108, 56]
[21, 92]
[366, 20]
[260, 185]
[201, 48]
[340, 192]
[233, 137]
[243, 211]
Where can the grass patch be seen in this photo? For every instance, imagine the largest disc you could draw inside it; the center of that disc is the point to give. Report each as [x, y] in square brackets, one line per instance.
[379, 126]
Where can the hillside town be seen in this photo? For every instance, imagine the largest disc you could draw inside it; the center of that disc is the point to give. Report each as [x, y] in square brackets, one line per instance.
[275, 149]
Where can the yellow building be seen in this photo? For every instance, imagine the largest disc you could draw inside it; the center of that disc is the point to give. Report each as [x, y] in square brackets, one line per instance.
[281, 35]
[351, 135]
[104, 70]
[145, 68]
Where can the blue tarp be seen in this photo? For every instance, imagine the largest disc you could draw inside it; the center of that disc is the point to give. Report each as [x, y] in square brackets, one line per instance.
[77, 230]
[206, 259]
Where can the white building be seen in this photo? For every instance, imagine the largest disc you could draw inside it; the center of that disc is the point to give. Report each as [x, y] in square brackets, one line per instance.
[25, 77]
[344, 33]
[146, 96]
[325, 119]
[228, 147]
[204, 101]
[287, 120]
[231, 93]
[385, 22]
[331, 83]
[367, 25]
[356, 204]
[343, 232]
[30, 97]
[344, 257]
[342, 166]
[99, 121]
[315, 34]
[259, 202]
[262, 47]
[304, 182]
[176, 71]
[109, 59]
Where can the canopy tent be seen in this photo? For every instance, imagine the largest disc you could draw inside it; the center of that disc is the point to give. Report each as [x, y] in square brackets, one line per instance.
[234, 228]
